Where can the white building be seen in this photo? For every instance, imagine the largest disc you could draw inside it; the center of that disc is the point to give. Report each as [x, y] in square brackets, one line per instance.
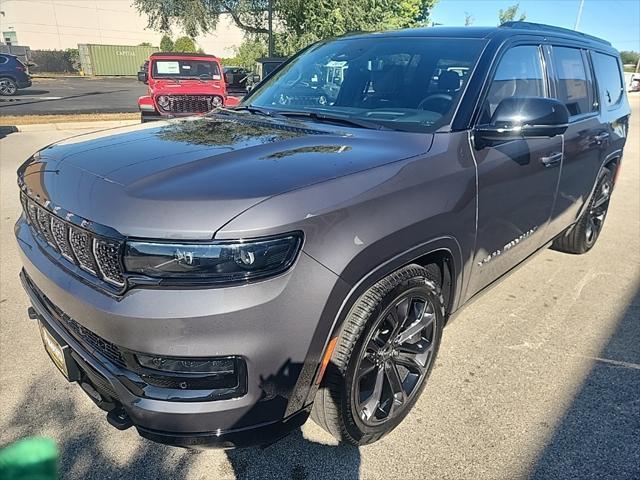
[60, 24]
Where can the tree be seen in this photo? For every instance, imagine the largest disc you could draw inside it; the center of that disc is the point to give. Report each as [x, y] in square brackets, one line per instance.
[185, 44]
[468, 19]
[510, 14]
[166, 44]
[299, 22]
[145, 44]
[247, 53]
[629, 57]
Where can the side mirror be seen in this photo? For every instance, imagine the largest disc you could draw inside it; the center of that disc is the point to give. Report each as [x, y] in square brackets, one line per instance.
[524, 117]
[142, 77]
[228, 78]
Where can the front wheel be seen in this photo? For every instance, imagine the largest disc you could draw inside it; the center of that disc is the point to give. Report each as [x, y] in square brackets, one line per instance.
[383, 357]
[582, 236]
[8, 87]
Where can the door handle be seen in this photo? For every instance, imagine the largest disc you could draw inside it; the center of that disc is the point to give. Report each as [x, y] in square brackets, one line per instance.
[601, 137]
[551, 159]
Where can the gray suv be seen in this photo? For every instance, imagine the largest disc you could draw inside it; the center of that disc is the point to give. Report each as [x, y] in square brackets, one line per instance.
[215, 280]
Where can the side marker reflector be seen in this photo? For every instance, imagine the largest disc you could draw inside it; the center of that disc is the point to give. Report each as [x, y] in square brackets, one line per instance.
[325, 359]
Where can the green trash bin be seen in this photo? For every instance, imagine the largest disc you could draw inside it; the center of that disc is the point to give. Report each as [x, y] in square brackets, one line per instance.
[29, 459]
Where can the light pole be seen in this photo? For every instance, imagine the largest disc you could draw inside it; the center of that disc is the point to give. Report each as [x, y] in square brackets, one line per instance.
[270, 20]
[580, 7]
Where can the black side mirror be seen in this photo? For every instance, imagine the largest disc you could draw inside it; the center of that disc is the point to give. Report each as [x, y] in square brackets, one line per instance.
[228, 78]
[142, 77]
[524, 117]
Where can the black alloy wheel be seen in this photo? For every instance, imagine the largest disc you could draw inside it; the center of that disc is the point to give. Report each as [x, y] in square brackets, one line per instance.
[395, 358]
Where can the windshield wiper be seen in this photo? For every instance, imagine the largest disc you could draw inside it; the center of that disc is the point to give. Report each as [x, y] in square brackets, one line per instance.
[254, 110]
[324, 117]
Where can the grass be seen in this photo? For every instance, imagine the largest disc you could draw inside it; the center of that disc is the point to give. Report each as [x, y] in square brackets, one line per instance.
[85, 117]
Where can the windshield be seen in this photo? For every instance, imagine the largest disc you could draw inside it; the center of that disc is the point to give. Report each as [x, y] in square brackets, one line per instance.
[186, 69]
[410, 84]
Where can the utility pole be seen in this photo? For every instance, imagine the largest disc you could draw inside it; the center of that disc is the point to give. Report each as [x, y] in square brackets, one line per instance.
[270, 17]
[579, 15]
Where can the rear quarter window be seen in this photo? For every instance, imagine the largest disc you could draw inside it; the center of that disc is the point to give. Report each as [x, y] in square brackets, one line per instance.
[609, 80]
[574, 82]
[3, 59]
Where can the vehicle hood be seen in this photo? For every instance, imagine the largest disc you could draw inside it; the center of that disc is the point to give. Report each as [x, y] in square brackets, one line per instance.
[187, 178]
[187, 87]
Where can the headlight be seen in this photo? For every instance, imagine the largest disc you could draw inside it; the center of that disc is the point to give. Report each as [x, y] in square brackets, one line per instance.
[163, 101]
[220, 262]
[216, 101]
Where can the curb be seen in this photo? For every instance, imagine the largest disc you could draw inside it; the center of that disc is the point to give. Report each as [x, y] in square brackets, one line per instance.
[99, 124]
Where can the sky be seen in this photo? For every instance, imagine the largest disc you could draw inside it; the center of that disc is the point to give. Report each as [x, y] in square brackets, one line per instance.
[617, 21]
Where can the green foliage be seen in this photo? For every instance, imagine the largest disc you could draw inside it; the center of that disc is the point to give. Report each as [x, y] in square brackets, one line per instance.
[145, 44]
[247, 53]
[468, 19]
[58, 61]
[629, 57]
[166, 43]
[185, 44]
[510, 14]
[299, 22]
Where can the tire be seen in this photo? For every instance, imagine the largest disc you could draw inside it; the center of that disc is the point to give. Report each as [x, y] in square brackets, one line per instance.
[342, 406]
[8, 87]
[582, 236]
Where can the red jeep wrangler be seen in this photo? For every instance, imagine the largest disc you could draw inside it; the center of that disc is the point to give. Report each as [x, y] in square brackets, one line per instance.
[182, 84]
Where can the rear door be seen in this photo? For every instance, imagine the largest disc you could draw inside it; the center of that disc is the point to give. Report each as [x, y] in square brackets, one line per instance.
[516, 181]
[585, 139]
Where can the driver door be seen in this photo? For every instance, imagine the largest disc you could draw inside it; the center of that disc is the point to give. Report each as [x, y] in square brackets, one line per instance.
[517, 179]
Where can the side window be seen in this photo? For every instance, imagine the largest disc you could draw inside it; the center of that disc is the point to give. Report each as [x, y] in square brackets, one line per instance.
[609, 79]
[519, 74]
[574, 85]
[3, 59]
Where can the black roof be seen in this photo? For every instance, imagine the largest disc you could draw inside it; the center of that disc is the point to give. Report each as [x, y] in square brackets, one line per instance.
[504, 30]
[181, 54]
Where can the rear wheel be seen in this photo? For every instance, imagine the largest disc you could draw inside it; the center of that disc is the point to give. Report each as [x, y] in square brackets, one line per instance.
[8, 86]
[582, 236]
[383, 357]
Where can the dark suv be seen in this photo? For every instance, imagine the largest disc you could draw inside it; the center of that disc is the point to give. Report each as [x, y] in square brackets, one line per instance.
[213, 281]
[13, 74]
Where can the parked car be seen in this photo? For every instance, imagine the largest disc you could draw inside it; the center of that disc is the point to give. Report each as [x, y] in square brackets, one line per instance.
[236, 78]
[632, 81]
[215, 281]
[13, 75]
[181, 84]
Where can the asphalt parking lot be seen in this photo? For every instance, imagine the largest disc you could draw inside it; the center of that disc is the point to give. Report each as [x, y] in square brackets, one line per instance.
[58, 95]
[71, 95]
[538, 379]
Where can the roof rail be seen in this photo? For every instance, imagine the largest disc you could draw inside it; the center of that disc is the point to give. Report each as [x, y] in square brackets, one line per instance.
[551, 28]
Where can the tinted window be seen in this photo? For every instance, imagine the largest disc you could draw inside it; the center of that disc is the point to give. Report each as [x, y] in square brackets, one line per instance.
[519, 74]
[574, 85]
[405, 84]
[609, 80]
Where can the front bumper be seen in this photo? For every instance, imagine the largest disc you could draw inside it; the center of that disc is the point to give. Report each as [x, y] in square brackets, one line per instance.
[270, 324]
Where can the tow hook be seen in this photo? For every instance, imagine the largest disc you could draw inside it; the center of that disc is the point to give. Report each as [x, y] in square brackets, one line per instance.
[119, 418]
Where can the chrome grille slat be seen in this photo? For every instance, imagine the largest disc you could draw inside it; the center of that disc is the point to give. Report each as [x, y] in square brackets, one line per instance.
[107, 255]
[60, 235]
[81, 245]
[97, 255]
[44, 223]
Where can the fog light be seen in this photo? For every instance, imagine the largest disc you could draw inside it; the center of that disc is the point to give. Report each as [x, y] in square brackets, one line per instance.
[221, 366]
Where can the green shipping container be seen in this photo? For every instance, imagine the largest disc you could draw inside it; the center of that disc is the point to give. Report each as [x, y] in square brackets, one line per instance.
[113, 59]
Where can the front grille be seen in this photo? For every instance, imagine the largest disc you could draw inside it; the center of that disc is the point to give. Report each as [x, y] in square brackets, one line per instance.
[188, 103]
[88, 338]
[97, 255]
[83, 335]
